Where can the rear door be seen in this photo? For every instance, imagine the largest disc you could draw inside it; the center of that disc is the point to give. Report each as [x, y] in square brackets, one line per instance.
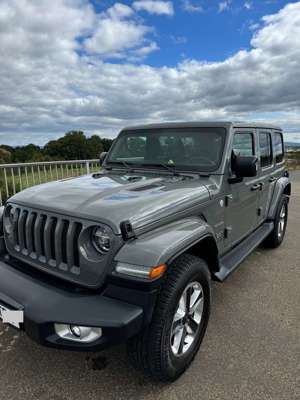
[265, 173]
[271, 149]
[242, 197]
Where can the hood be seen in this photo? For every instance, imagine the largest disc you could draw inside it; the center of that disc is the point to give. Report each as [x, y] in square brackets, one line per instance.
[112, 198]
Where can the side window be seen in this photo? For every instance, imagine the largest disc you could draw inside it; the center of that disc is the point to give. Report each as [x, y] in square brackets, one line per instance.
[243, 144]
[265, 146]
[278, 147]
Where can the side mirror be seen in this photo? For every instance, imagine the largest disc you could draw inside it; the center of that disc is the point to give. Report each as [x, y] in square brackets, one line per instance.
[244, 166]
[102, 157]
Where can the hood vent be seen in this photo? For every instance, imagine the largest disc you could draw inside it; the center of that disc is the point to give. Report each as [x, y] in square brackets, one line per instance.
[146, 187]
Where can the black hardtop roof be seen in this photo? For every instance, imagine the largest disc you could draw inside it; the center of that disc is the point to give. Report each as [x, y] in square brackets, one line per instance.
[203, 124]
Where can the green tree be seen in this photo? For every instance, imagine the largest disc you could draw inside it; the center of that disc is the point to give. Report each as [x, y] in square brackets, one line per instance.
[72, 146]
[94, 146]
[106, 143]
[5, 156]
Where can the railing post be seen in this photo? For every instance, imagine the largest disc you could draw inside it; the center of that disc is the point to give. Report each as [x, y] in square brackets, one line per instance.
[87, 163]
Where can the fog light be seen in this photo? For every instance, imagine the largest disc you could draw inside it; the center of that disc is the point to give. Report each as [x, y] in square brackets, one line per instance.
[75, 330]
[77, 333]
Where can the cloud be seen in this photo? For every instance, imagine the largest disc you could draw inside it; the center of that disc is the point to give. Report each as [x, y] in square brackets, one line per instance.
[191, 7]
[248, 5]
[117, 31]
[224, 5]
[154, 6]
[50, 83]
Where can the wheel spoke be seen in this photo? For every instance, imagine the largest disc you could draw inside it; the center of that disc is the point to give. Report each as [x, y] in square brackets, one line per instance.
[177, 339]
[193, 324]
[188, 300]
[182, 340]
[198, 305]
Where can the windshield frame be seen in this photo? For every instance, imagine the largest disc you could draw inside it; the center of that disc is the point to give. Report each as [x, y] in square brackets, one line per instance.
[159, 165]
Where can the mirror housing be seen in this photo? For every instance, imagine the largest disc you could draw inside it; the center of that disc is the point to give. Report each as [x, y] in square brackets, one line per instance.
[244, 166]
[102, 157]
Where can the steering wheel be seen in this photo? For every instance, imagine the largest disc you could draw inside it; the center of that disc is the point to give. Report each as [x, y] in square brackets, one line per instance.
[206, 160]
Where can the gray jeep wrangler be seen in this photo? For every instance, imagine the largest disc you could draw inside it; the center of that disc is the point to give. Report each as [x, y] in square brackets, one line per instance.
[128, 253]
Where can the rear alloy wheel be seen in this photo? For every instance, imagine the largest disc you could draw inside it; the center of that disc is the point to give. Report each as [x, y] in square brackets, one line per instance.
[280, 223]
[166, 347]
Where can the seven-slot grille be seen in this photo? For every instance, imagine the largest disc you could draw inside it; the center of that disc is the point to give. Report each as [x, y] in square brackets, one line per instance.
[50, 240]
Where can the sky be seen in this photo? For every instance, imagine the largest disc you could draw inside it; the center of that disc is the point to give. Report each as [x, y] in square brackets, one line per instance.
[100, 65]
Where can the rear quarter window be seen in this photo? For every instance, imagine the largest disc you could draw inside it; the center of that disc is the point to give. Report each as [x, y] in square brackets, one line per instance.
[278, 147]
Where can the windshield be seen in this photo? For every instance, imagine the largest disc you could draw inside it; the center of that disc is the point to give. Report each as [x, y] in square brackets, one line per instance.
[184, 148]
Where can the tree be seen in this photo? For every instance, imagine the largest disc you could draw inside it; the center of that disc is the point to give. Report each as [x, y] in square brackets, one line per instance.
[106, 143]
[74, 145]
[5, 156]
[94, 146]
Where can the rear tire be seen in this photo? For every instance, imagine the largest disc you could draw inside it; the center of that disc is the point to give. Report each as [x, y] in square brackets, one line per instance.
[166, 348]
[280, 223]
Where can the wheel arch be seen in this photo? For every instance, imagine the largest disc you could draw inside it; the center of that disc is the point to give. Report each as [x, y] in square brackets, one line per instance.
[205, 248]
[164, 245]
[282, 187]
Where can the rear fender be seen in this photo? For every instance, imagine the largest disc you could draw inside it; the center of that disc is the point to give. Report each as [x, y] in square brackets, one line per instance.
[282, 186]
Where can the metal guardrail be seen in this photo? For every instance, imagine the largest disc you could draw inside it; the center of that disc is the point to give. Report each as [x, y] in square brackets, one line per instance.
[16, 177]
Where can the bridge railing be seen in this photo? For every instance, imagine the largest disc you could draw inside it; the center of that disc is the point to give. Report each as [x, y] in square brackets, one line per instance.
[16, 177]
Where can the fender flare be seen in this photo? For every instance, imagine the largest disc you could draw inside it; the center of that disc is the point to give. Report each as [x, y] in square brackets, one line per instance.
[282, 186]
[164, 244]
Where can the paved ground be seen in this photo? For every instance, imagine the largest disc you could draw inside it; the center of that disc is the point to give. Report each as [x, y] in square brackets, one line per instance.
[251, 349]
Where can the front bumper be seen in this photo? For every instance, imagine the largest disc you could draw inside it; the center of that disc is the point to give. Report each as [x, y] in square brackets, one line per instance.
[46, 302]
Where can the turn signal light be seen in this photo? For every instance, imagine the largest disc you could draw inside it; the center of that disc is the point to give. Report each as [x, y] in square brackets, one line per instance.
[158, 271]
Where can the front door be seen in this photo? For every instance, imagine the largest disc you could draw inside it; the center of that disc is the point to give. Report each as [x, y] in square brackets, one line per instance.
[242, 197]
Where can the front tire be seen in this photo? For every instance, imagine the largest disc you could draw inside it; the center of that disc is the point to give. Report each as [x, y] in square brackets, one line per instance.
[166, 348]
[280, 223]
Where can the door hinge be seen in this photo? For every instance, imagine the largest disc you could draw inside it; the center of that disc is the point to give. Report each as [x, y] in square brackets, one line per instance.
[227, 231]
[228, 199]
[259, 211]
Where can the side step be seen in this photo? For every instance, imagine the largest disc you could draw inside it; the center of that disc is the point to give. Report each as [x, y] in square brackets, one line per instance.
[231, 260]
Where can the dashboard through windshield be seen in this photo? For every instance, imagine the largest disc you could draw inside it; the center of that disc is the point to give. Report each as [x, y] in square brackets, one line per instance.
[180, 148]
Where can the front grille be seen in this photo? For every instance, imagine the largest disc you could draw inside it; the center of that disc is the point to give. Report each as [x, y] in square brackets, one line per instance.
[46, 239]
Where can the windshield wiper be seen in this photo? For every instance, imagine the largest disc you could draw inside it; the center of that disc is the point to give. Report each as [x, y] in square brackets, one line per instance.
[126, 165]
[166, 166]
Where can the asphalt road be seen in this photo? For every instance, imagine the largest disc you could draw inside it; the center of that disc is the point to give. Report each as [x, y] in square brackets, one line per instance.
[251, 349]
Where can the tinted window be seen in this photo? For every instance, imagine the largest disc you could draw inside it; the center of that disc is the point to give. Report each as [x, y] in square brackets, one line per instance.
[278, 147]
[265, 149]
[188, 148]
[243, 144]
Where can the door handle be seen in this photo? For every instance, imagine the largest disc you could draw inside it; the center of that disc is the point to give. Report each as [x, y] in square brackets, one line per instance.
[256, 187]
[272, 179]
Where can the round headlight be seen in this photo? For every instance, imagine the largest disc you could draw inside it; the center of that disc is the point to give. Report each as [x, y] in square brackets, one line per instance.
[101, 238]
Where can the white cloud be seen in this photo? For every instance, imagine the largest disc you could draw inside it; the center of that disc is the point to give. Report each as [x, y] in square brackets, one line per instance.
[191, 6]
[154, 6]
[248, 5]
[112, 37]
[117, 31]
[49, 84]
[224, 5]
[119, 11]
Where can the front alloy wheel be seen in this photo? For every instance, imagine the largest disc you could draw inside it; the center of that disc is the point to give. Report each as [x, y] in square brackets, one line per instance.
[187, 318]
[166, 348]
